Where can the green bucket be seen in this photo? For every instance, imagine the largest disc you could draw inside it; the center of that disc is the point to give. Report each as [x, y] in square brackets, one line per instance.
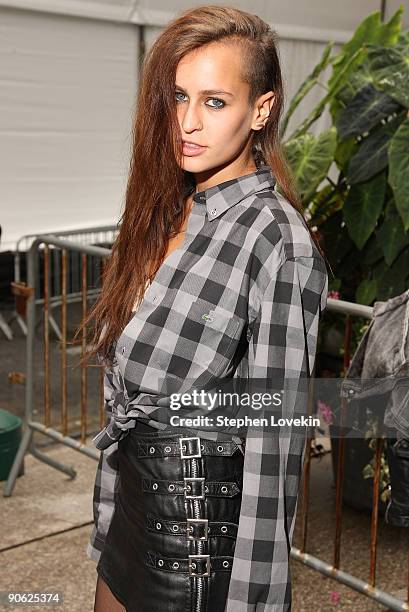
[10, 438]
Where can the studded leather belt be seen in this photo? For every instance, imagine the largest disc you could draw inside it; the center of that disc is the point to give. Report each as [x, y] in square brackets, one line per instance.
[199, 566]
[189, 449]
[194, 529]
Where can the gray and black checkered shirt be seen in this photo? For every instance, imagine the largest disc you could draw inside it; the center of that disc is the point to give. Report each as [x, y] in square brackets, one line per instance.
[242, 297]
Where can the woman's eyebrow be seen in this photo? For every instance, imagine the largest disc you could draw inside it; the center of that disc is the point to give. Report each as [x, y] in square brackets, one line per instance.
[209, 92]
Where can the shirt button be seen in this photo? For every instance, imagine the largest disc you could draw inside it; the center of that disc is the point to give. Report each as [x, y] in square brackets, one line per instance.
[123, 350]
[154, 298]
[214, 211]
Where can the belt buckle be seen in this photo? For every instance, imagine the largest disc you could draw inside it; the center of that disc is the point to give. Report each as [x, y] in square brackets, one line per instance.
[192, 557]
[181, 445]
[199, 478]
[205, 522]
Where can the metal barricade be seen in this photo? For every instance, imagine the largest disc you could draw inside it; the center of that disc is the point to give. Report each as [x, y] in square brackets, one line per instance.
[58, 432]
[99, 235]
[61, 432]
[333, 570]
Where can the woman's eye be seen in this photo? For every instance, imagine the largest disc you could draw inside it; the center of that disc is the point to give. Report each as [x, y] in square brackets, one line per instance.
[178, 93]
[220, 105]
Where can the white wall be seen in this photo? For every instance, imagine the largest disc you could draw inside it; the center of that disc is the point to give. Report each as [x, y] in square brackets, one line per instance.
[300, 16]
[67, 90]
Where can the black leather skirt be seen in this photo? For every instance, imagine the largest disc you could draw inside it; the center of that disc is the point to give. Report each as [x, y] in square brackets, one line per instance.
[172, 536]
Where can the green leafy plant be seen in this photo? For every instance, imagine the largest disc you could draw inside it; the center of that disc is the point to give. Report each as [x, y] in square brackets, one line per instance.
[363, 217]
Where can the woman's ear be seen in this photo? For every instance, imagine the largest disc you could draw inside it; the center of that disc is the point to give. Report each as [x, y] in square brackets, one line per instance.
[262, 109]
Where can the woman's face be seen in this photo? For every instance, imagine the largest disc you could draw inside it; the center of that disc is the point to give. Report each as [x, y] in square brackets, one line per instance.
[213, 111]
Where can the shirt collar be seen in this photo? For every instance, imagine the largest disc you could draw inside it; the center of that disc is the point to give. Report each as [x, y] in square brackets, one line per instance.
[224, 195]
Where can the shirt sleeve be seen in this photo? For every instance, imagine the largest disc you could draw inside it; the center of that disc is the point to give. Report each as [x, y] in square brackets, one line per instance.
[282, 351]
[106, 479]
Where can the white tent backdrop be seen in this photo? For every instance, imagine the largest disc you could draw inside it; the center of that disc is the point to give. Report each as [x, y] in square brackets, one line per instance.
[65, 117]
[68, 72]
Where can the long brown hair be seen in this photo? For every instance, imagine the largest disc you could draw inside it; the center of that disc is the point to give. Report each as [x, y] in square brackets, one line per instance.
[155, 208]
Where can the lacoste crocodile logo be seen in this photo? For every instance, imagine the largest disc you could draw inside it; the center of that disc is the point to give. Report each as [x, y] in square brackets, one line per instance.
[207, 317]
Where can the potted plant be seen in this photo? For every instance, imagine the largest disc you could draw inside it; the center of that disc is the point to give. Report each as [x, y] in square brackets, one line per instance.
[361, 217]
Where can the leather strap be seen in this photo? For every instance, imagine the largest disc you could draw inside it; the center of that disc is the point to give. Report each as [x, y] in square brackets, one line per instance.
[176, 564]
[171, 448]
[177, 487]
[215, 529]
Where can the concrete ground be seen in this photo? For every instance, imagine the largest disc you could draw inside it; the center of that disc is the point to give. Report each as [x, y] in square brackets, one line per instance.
[47, 521]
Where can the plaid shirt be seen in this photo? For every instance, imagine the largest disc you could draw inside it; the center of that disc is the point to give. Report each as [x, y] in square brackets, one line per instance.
[247, 275]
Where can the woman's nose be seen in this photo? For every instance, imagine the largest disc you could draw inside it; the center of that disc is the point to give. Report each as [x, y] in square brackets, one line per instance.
[191, 119]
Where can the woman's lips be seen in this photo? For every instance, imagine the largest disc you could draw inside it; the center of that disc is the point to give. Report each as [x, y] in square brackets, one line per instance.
[191, 150]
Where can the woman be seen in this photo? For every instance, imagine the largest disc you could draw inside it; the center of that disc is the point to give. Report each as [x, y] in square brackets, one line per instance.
[201, 518]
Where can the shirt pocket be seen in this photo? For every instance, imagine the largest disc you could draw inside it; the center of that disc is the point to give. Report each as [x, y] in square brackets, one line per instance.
[211, 334]
[189, 339]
